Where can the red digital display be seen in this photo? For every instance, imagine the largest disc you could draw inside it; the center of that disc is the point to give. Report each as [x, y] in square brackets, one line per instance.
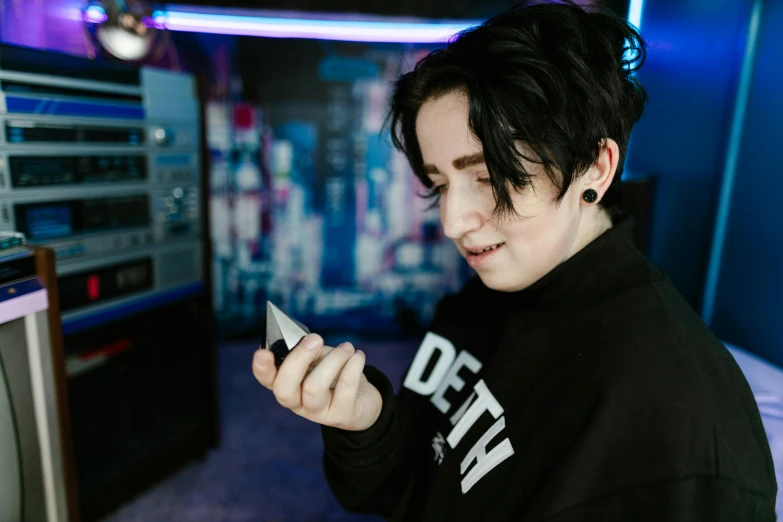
[93, 287]
[109, 282]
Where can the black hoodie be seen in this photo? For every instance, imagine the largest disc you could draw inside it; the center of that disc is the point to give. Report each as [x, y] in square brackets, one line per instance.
[596, 394]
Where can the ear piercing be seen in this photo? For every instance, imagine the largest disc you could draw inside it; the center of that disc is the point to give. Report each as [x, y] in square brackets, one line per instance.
[590, 195]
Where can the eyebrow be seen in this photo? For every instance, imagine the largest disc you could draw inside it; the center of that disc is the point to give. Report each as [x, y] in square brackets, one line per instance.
[460, 163]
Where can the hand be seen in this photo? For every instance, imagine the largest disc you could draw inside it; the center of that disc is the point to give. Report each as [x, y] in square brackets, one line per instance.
[322, 384]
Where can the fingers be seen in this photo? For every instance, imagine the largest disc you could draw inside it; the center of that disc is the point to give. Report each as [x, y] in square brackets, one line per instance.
[264, 367]
[316, 388]
[287, 385]
[315, 381]
[347, 388]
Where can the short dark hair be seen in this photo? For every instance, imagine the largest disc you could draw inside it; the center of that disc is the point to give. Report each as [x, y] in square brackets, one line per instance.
[551, 74]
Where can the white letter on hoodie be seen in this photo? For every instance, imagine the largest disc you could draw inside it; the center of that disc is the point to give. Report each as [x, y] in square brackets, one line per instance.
[485, 462]
[485, 401]
[453, 380]
[429, 345]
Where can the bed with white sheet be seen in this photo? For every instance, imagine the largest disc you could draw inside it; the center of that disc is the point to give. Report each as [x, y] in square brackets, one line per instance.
[766, 381]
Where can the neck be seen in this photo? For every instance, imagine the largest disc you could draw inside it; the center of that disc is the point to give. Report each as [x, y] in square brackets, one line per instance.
[593, 224]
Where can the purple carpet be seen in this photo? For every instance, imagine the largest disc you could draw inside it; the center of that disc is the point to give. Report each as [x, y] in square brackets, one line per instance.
[268, 467]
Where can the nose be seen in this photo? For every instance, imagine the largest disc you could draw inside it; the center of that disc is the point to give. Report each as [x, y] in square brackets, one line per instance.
[460, 213]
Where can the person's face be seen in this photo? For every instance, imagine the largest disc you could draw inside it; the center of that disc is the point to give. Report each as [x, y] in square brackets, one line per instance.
[521, 249]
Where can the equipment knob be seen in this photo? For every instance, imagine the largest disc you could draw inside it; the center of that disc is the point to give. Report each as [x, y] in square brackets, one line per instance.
[162, 137]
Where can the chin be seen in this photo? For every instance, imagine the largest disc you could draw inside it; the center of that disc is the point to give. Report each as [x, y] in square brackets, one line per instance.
[502, 284]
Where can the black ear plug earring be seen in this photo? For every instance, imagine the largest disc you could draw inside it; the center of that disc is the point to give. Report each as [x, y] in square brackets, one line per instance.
[590, 195]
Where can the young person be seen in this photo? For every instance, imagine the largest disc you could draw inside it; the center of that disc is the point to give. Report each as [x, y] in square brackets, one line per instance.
[568, 381]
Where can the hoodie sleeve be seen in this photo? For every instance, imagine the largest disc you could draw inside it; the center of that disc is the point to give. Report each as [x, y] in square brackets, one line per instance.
[370, 471]
[375, 470]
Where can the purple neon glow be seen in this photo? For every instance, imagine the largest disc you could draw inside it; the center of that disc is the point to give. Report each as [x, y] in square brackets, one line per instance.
[94, 15]
[354, 31]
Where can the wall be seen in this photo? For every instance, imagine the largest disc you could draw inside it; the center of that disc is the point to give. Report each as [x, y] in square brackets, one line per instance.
[749, 300]
[696, 53]
[54, 25]
[691, 74]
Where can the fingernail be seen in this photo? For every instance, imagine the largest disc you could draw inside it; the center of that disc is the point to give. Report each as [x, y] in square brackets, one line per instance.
[347, 347]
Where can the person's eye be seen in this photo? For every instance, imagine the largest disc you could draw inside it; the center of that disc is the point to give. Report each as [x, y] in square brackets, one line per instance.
[485, 181]
[438, 189]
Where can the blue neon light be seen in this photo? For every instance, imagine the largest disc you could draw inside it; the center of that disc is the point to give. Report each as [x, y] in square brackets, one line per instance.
[635, 19]
[635, 13]
[730, 167]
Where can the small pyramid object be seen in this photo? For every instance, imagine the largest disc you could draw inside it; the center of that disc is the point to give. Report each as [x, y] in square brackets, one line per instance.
[282, 332]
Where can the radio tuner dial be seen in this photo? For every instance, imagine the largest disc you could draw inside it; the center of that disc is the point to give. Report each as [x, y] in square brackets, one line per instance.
[162, 137]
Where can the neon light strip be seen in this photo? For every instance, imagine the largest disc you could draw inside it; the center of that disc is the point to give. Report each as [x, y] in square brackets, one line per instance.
[730, 167]
[270, 27]
[635, 13]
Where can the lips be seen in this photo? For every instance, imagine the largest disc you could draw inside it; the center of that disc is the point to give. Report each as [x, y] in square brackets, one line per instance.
[480, 250]
[480, 256]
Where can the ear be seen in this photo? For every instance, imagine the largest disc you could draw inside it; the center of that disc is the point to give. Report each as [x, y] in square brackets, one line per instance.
[600, 176]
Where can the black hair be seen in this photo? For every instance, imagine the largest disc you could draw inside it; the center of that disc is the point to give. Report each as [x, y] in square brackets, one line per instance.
[550, 74]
